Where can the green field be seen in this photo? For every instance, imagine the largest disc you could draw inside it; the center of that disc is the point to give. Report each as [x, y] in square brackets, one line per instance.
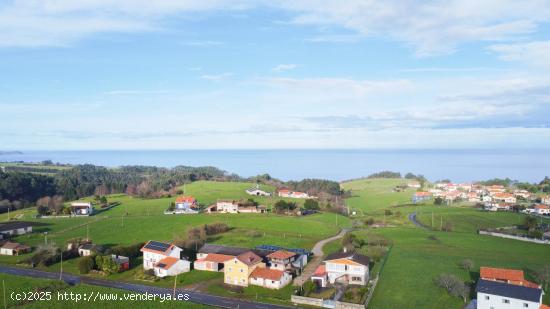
[415, 259]
[139, 220]
[15, 284]
[371, 196]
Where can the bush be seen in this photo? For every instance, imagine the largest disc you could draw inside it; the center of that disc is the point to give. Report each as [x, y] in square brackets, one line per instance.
[388, 212]
[85, 264]
[308, 287]
[131, 251]
[216, 228]
[369, 221]
[311, 204]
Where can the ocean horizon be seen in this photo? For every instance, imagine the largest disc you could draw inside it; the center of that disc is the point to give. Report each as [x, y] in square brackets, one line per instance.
[458, 165]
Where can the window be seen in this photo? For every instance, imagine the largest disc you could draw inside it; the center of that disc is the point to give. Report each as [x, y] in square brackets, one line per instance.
[525, 305]
[506, 301]
[230, 269]
[272, 281]
[355, 278]
[486, 297]
[241, 270]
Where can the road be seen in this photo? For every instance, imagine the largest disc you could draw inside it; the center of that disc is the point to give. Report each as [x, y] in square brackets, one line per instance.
[196, 297]
[412, 218]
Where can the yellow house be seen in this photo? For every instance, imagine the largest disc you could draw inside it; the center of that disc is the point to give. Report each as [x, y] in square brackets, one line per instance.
[237, 270]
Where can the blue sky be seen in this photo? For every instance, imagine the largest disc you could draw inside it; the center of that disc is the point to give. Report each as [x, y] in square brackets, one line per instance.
[106, 74]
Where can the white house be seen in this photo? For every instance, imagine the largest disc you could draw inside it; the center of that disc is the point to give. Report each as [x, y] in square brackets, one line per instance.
[348, 267]
[15, 228]
[171, 266]
[155, 251]
[270, 278]
[293, 194]
[226, 206]
[86, 249]
[495, 294]
[13, 248]
[504, 197]
[82, 208]
[545, 200]
[542, 209]
[257, 191]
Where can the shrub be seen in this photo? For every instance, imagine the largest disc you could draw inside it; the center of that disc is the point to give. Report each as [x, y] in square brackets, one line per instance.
[369, 221]
[216, 228]
[85, 264]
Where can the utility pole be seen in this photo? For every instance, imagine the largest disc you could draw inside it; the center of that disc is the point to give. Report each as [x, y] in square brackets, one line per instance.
[45, 238]
[9, 213]
[175, 281]
[441, 223]
[61, 269]
[432, 219]
[88, 232]
[4, 291]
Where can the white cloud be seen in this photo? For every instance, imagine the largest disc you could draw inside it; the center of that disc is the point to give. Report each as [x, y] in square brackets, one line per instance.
[216, 77]
[535, 53]
[284, 67]
[429, 27]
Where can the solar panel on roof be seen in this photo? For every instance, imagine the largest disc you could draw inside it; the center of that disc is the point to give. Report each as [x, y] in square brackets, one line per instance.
[276, 248]
[157, 246]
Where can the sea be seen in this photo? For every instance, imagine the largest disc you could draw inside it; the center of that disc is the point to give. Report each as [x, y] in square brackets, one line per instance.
[463, 165]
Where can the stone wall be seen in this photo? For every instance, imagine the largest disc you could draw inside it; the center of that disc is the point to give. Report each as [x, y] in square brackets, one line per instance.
[502, 235]
[306, 300]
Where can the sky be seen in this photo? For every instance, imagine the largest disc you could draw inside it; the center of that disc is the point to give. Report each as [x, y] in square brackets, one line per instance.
[214, 74]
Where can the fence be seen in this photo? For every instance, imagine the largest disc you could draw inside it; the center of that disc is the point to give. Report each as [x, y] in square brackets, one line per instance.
[528, 239]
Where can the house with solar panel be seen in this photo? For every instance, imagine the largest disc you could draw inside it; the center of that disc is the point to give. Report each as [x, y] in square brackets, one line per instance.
[186, 205]
[164, 258]
[507, 288]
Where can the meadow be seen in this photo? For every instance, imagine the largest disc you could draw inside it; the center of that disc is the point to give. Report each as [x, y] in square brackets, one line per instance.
[418, 255]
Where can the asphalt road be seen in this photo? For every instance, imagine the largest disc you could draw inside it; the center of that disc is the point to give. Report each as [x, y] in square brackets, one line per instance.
[196, 297]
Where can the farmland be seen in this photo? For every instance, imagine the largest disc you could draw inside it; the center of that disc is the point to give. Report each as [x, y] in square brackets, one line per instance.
[419, 255]
[416, 257]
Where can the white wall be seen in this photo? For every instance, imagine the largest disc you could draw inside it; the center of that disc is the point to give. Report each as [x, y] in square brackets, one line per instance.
[497, 302]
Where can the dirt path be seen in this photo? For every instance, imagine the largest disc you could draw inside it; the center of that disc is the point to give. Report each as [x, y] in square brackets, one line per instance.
[317, 258]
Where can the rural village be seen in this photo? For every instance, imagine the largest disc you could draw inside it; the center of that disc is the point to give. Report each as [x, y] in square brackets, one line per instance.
[257, 242]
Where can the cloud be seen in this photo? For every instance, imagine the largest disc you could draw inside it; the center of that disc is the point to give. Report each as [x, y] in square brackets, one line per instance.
[216, 77]
[536, 53]
[428, 27]
[284, 67]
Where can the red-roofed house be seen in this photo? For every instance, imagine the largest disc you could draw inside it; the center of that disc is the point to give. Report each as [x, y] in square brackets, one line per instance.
[171, 266]
[270, 278]
[504, 197]
[319, 277]
[541, 209]
[154, 251]
[186, 204]
[212, 262]
[510, 276]
[281, 259]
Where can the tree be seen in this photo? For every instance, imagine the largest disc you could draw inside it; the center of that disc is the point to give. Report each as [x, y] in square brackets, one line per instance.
[103, 200]
[283, 206]
[453, 285]
[57, 204]
[438, 201]
[85, 264]
[543, 276]
[311, 204]
[467, 264]
[530, 223]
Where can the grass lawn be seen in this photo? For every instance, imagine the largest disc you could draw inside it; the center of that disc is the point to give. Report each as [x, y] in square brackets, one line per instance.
[252, 292]
[140, 220]
[406, 279]
[16, 284]
[373, 195]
